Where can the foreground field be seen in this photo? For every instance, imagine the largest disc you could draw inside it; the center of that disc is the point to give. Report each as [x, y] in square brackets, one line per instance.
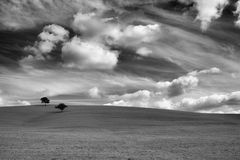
[104, 132]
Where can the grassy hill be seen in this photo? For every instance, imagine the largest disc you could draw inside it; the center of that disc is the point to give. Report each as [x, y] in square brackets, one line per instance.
[107, 132]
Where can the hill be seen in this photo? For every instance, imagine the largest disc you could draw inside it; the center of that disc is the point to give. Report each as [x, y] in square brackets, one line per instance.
[107, 132]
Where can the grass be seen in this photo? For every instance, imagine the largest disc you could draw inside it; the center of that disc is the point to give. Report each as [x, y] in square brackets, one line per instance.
[105, 132]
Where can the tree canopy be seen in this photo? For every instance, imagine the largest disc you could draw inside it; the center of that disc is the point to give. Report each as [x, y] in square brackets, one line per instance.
[45, 100]
[61, 106]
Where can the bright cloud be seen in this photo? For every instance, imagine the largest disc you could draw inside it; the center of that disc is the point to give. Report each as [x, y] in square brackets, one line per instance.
[179, 85]
[94, 92]
[1, 101]
[209, 102]
[142, 98]
[143, 51]
[144, 33]
[25, 103]
[208, 10]
[133, 34]
[88, 24]
[48, 39]
[213, 70]
[88, 55]
[212, 103]
[237, 12]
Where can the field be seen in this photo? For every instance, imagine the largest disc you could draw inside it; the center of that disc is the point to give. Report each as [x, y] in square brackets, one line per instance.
[105, 132]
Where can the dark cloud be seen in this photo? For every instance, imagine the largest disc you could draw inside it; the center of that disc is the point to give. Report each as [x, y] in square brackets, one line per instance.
[156, 68]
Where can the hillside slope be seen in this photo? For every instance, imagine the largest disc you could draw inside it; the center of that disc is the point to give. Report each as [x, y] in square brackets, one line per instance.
[106, 132]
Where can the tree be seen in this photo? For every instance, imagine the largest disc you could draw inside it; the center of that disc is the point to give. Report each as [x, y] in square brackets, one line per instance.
[45, 100]
[61, 106]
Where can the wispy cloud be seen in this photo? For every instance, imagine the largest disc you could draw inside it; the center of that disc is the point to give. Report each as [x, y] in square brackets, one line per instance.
[28, 13]
[98, 50]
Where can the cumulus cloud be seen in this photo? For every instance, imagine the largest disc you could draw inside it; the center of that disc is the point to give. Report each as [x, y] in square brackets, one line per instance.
[88, 55]
[54, 33]
[48, 39]
[144, 51]
[94, 92]
[209, 102]
[212, 103]
[133, 34]
[88, 23]
[207, 10]
[145, 33]
[178, 86]
[142, 98]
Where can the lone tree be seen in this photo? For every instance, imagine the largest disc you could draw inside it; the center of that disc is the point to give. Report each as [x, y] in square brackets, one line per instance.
[61, 106]
[45, 100]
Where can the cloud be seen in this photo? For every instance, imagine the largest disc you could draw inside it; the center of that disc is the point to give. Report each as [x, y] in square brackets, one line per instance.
[165, 96]
[17, 14]
[88, 24]
[25, 103]
[54, 33]
[88, 55]
[33, 83]
[94, 92]
[139, 99]
[209, 102]
[119, 103]
[6, 100]
[1, 101]
[48, 39]
[212, 103]
[146, 33]
[133, 34]
[142, 98]
[237, 12]
[178, 86]
[143, 51]
[29, 13]
[213, 70]
[207, 10]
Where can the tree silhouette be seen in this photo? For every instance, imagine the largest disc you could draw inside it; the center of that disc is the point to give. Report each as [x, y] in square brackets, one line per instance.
[61, 106]
[45, 100]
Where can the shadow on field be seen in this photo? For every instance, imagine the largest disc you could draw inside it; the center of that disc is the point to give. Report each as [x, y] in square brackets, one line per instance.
[55, 112]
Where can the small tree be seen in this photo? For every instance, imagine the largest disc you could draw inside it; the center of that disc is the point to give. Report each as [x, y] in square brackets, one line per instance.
[45, 100]
[61, 106]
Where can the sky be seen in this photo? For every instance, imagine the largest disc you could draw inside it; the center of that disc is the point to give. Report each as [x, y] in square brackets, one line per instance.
[165, 54]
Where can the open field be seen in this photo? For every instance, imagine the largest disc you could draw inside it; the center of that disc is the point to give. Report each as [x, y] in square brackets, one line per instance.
[104, 132]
